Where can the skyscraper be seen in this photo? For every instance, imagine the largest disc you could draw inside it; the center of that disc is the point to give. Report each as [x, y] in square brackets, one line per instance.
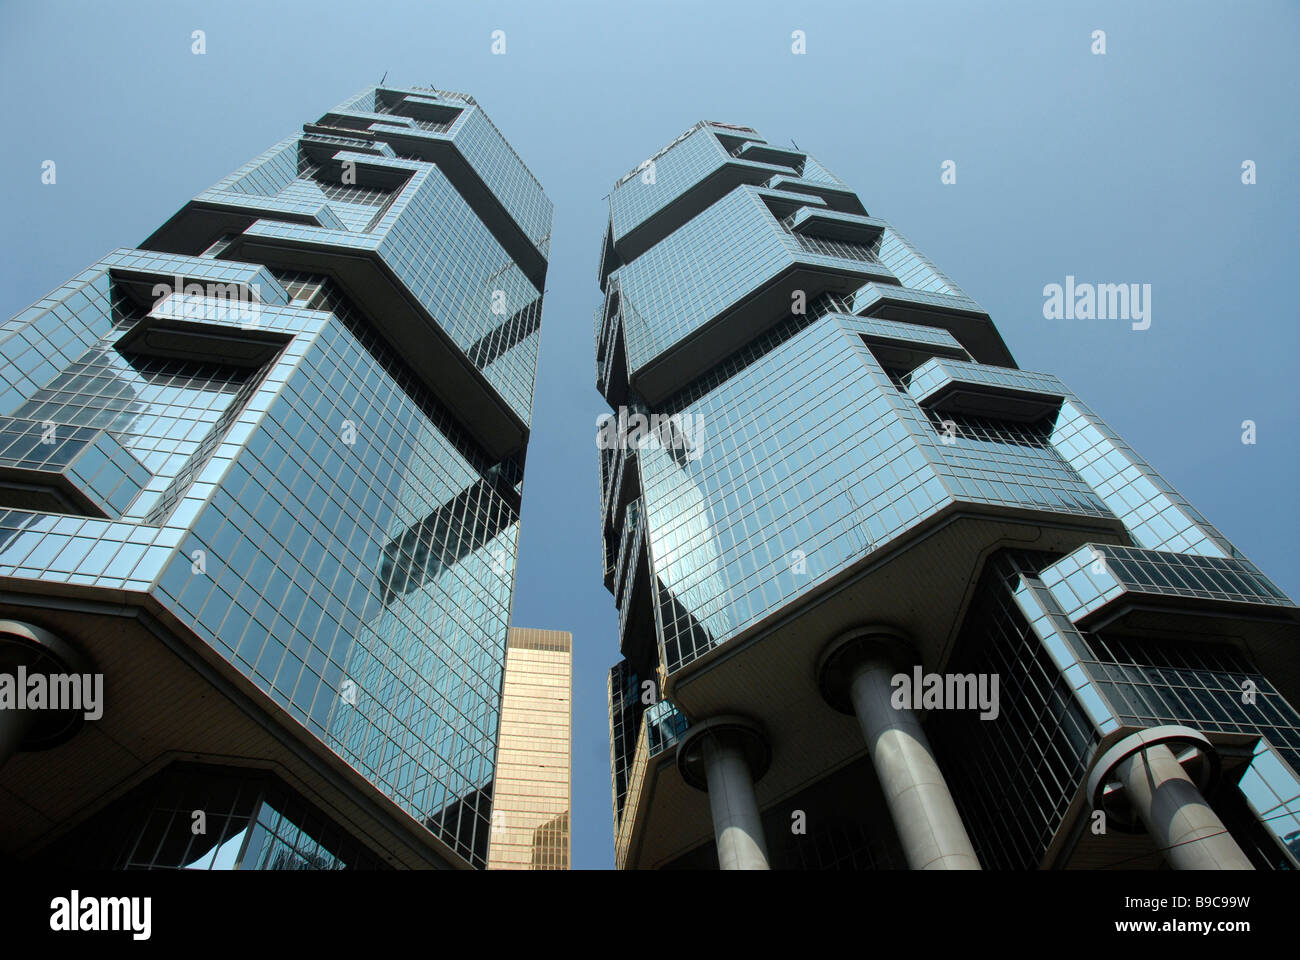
[885, 599]
[262, 476]
[531, 795]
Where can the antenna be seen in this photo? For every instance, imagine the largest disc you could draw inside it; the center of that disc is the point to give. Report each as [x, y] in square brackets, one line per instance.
[385, 77]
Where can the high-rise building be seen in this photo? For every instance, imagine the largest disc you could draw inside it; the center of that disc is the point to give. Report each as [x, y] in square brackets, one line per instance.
[531, 793]
[262, 476]
[885, 599]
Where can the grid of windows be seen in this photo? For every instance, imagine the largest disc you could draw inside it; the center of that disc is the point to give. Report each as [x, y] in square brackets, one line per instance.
[675, 171]
[292, 589]
[866, 298]
[196, 817]
[510, 181]
[44, 339]
[357, 207]
[841, 249]
[401, 677]
[691, 276]
[1152, 682]
[481, 144]
[1013, 778]
[811, 448]
[267, 175]
[912, 268]
[450, 261]
[1156, 515]
[1091, 577]
[530, 811]
[938, 372]
[427, 234]
[633, 720]
[437, 246]
[1211, 687]
[1007, 462]
[160, 411]
[698, 272]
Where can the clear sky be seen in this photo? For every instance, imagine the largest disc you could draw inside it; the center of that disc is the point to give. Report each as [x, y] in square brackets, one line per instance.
[1116, 168]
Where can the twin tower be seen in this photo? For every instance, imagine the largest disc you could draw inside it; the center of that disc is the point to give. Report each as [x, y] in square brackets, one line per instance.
[260, 484]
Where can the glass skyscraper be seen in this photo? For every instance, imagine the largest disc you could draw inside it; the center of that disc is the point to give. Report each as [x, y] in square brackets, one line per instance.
[262, 475]
[825, 483]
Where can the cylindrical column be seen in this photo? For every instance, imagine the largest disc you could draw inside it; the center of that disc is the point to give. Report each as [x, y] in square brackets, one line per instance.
[736, 823]
[925, 817]
[26, 649]
[726, 756]
[1175, 813]
[1157, 778]
[854, 674]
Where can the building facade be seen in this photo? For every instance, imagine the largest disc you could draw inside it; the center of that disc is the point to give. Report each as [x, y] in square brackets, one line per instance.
[826, 482]
[532, 793]
[261, 475]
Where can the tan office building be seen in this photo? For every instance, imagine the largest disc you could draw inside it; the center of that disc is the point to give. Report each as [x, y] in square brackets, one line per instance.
[530, 813]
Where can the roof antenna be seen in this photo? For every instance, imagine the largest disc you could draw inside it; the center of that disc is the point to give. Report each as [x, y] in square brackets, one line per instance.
[383, 78]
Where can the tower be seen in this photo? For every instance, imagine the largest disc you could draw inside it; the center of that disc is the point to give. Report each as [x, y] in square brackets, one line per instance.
[261, 476]
[532, 806]
[885, 599]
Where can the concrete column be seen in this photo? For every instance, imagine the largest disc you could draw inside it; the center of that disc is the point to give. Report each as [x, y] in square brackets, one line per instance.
[35, 650]
[1139, 781]
[1175, 813]
[736, 823]
[925, 817]
[726, 755]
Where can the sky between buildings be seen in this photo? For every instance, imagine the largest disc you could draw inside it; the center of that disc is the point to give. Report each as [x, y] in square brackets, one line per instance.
[1117, 168]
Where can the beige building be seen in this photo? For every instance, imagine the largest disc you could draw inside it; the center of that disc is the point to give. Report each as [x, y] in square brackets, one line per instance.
[530, 812]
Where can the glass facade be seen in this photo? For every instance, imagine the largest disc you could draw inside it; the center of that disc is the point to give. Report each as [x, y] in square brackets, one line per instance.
[295, 420]
[846, 399]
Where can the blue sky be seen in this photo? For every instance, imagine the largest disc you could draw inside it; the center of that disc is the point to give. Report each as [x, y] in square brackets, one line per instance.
[1122, 168]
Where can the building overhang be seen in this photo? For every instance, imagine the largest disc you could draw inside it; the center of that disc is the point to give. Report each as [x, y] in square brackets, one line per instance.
[420, 340]
[973, 398]
[960, 316]
[441, 149]
[1270, 637]
[922, 584]
[740, 324]
[701, 195]
[1182, 598]
[169, 696]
